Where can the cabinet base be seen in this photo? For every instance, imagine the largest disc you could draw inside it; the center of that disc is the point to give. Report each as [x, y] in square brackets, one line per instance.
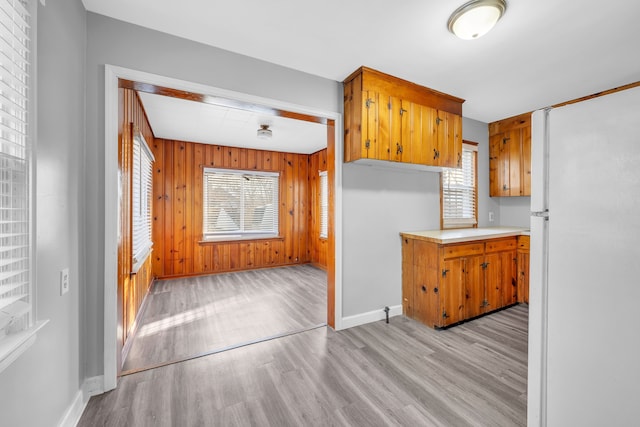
[440, 328]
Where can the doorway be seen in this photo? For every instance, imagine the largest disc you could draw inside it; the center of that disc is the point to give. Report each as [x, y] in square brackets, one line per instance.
[112, 75]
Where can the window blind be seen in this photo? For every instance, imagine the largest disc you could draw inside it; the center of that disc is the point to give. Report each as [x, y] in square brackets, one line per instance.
[459, 191]
[324, 204]
[142, 183]
[15, 169]
[242, 203]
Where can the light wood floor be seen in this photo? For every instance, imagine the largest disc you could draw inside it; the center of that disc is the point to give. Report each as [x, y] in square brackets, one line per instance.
[378, 374]
[191, 316]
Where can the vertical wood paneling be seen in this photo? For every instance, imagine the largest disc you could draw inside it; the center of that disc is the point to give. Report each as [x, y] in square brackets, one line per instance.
[179, 225]
[317, 246]
[132, 288]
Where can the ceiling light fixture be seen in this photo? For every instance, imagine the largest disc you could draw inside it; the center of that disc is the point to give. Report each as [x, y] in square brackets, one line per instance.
[264, 132]
[476, 18]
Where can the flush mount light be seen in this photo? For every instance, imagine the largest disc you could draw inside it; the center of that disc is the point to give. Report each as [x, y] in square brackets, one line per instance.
[476, 18]
[264, 132]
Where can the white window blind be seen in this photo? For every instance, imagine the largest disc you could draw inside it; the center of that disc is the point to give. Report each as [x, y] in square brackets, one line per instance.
[142, 182]
[459, 191]
[15, 169]
[324, 204]
[240, 203]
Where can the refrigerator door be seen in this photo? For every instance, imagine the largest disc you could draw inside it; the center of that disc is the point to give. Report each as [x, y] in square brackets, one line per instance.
[593, 321]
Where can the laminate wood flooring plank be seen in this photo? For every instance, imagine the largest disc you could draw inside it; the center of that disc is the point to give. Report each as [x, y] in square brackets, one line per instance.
[397, 374]
[191, 316]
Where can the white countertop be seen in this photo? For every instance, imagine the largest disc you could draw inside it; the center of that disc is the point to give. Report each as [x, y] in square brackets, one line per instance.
[465, 234]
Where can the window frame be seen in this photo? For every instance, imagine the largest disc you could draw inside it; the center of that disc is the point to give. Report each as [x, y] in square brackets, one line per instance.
[12, 345]
[233, 235]
[461, 222]
[145, 194]
[323, 204]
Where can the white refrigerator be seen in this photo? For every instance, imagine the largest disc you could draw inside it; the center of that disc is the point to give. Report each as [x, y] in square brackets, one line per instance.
[584, 307]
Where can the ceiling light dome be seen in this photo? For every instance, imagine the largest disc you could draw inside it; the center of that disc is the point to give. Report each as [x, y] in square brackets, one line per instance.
[476, 18]
[264, 132]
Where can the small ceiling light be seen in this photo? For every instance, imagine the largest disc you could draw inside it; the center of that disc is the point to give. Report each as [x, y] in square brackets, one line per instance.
[264, 132]
[476, 18]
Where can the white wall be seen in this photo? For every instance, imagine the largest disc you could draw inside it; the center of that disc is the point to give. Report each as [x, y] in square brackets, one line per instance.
[379, 203]
[37, 389]
[515, 211]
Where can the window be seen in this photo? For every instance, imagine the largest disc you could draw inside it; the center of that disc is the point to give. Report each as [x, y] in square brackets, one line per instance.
[240, 204]
[324, 205]
[141, 194]
[17, 324]
[459, 191]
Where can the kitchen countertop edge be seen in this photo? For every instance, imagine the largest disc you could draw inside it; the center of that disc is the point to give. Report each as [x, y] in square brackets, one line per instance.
[461, 235]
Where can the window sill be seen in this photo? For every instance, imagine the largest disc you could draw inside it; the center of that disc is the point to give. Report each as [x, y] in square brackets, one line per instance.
[12, 346]
[243, 239]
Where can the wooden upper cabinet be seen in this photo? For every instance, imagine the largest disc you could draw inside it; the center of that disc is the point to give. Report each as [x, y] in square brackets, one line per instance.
[510, 156]
[387, 118]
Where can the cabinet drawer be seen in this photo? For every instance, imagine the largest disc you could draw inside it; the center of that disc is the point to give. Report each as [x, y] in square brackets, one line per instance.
[523, 242]
[466, 249]
[497, 245]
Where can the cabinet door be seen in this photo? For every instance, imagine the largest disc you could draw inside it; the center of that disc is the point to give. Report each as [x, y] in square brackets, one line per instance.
[449, 139]
[523, 276]
[370, 118]
[513, 145]
[424, 137]
[525, 161]
[509, 279]
[408, 285]
[492, 282]
[473, 286]
[452, 291]
[426, 283]
[385, 120]
[400, 130]
[498, 165]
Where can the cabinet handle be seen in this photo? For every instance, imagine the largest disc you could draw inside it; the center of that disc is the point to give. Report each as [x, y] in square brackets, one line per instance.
[436, 154]
[438, 120]
[398, 148]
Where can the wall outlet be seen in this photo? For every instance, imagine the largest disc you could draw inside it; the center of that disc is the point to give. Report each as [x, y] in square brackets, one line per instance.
[490, 216]
[64, 281]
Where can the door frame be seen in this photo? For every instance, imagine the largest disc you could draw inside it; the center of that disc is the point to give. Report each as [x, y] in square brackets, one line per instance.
[112, 74]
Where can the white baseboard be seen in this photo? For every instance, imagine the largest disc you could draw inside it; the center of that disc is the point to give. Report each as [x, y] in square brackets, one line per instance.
[74, 412]
[90, 387]
[369, 317]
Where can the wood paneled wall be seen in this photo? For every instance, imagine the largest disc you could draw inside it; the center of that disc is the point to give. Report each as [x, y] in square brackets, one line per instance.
[318, 246]
[177, 225]
[132, 288]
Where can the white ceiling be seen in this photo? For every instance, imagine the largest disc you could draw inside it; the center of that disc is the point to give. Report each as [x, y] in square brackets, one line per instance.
[541, 53]
[179, 119]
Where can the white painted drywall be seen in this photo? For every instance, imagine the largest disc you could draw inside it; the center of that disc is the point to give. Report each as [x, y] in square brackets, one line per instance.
[515, 211]
[37, 389]
[378, 203]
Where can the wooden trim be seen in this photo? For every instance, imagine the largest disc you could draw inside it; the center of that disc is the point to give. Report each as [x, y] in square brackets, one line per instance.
[331, 240]
[598, 94]
[217, 101]
[215, 242]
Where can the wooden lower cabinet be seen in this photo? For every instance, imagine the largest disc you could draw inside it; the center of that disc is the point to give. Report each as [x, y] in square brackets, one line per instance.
[523, 269]
[444, 284]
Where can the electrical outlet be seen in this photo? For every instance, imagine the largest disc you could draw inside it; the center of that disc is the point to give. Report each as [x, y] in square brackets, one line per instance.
[490, 216]
[64, 281]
